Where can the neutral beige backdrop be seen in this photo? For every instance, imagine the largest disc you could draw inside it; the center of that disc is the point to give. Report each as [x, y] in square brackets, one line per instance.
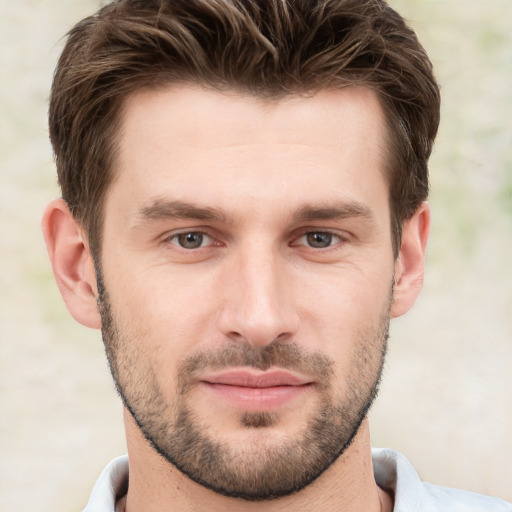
[446, 398]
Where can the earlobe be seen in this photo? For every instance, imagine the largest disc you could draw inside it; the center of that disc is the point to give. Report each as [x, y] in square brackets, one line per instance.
[410, 264]
[71, 262]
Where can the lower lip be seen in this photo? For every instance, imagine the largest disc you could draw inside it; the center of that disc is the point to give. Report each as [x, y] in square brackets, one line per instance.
[257, 399]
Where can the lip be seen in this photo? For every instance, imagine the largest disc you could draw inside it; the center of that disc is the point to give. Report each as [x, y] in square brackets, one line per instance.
[249, 379]
[256, 391]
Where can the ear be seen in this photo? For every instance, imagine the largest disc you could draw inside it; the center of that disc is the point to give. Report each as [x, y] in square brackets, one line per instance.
[410, 264]
[72, 263]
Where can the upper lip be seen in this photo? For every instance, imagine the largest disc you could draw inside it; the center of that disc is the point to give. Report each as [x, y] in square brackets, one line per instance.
[250, 379]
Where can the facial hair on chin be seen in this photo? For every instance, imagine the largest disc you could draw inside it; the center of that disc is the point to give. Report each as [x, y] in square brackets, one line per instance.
[262, 472]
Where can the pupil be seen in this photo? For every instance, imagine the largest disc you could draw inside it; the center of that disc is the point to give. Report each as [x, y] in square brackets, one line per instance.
[190, 240]
[319, 240]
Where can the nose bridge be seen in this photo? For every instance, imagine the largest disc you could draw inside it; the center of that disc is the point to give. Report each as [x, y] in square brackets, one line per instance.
[258, 305]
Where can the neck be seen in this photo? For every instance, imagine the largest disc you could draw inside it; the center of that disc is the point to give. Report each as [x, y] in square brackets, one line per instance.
[157, 486]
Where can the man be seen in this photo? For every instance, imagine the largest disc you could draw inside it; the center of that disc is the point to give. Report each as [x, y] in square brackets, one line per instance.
[244, 187]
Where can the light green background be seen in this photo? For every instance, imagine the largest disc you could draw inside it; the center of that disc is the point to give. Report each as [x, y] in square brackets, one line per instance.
[446, 399]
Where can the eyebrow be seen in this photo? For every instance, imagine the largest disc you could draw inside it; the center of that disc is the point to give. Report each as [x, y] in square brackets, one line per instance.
[336, 211]
[164, 210]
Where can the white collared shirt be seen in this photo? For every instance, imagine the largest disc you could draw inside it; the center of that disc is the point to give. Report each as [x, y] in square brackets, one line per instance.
[393, 472]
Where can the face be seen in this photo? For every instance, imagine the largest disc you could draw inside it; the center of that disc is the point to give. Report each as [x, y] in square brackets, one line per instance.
[245, 280]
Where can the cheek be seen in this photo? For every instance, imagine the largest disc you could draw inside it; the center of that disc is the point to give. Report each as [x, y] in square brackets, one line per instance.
[344, 310]
[167, 311]
[345, 294]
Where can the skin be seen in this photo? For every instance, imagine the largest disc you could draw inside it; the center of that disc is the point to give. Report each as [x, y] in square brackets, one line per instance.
[266, 168]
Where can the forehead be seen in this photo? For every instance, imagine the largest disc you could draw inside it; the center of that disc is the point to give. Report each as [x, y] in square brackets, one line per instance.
[200, 116]
[184, 142]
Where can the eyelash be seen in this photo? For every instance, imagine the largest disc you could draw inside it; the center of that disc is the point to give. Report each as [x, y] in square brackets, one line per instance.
[174, 239]
[338, 238]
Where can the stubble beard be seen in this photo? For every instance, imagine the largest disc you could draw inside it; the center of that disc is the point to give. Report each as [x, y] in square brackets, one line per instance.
[268, 470]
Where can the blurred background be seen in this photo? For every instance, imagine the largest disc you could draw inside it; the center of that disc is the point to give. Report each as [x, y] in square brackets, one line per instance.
[446, 400]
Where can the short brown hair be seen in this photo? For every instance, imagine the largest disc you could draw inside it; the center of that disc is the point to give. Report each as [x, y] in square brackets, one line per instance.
[267, 48]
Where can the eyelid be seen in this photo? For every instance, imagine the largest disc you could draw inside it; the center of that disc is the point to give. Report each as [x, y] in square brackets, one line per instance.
[341, 236]
[170, 238]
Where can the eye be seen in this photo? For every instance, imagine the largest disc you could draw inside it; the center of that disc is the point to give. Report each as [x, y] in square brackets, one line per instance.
[319, 239]
[191, 239]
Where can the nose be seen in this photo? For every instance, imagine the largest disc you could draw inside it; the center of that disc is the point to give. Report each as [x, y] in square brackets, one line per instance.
[258, 303]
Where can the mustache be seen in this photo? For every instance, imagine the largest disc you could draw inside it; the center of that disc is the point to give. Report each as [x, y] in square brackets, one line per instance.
[287, 356]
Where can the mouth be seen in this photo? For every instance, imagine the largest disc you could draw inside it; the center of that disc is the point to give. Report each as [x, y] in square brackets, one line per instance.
[256, 391]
